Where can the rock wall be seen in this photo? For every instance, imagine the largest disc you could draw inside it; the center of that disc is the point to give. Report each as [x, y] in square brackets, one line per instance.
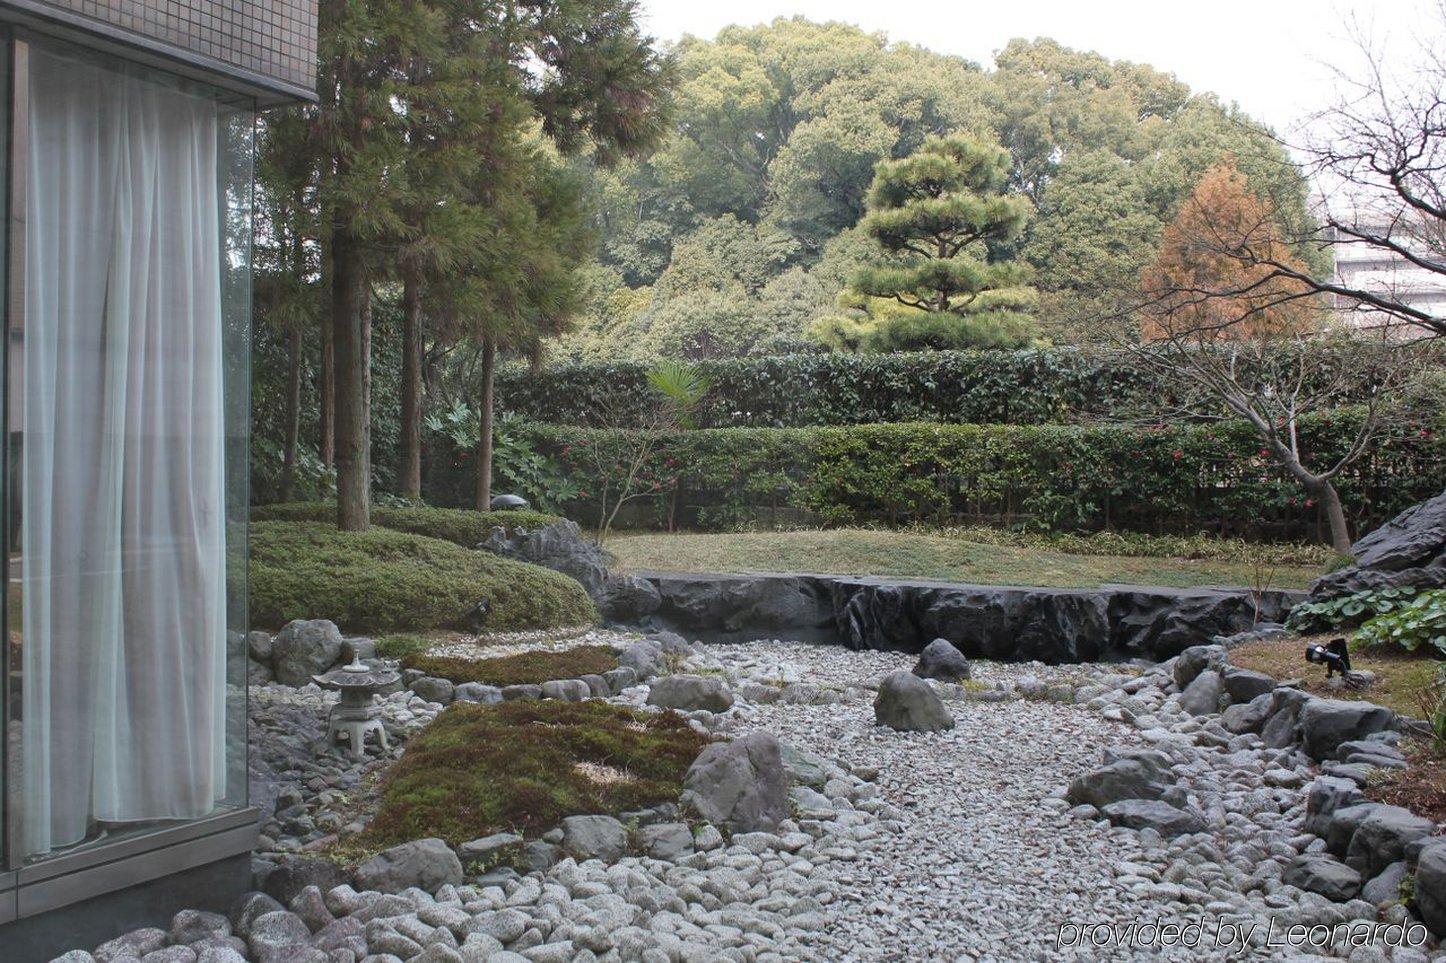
[1409, 550]
[1006, 623]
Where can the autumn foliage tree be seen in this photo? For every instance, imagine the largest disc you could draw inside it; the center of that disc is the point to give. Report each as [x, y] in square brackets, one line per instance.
[1258, 341]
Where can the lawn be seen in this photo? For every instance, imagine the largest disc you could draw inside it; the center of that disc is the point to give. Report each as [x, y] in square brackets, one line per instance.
[944, 557]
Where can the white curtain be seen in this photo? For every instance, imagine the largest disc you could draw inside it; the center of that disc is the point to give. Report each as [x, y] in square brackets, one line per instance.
[122, 485]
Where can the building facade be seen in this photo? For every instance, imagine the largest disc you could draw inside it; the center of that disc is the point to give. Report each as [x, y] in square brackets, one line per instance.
[128, 155]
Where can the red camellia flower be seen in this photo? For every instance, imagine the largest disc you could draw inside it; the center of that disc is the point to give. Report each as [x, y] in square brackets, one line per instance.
[1177, 454]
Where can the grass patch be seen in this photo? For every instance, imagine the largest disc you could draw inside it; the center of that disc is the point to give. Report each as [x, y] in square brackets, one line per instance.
[1420, 788]
[457, 525]
[399, 645]
[524, 668]
[523, 766]
[387, 581]
[1401, 678]
[945, 557]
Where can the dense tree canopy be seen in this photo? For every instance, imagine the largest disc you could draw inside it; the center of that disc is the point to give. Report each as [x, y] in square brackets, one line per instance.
[782, 127]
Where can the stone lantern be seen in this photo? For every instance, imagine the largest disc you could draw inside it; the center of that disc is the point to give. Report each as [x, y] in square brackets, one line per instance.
[357, 714]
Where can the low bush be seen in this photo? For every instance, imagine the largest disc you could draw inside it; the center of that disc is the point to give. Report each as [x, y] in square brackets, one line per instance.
[524, 766]
[399, 645]
[1347, 611]
[381, 580]
[524, 668]
[457, 525]
[1414, 624]
[1166, 479]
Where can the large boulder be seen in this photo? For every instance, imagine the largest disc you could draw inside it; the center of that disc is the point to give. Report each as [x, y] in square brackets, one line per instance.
[1163, 818]
[303, 648]
[560, 546]
[690, 693]
[627, 599]
[740, 785]
[644, 658]
[1141, 774]
[1318, 873]
[1202, 696]
[1382, 837]
[1430, 887]
[425, 863]
[941, 660]
[1326, 795]
[1195, 660]
[594, 837]
[1326, 723]
[1243, 685]
[1409, 550]
[909, 704]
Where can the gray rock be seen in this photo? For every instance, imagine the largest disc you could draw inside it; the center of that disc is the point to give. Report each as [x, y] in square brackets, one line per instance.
[310, 905]
[806, 768]
[1381, 838]
[566, 690]
[524, 690]
[1282, 721]
[424, 863]
[740, 785]
[594, 837]
[666, 840]
[219, 954]
[560, 546]
[690, 693]
[1197, 659]
[258, 646]
[170, 954]
[1243, 685]
[81, 956]
[540, 855]
[941, 660]
[489, 849]
[277, 934]
[303, 648]
[1327, 723]
[190, 926]
[1126, 778]
[295, 874]
[1154, 814]
[1202, 695]
[1409, 550]
[1326, 795]
[620, 678]
[627, 599]
[1321, 874]
[1246, 717]
[597, 686]
[347, 932]
[644, 658]
[1385, 886]
[357, 648]
[477, 692]
[248, 907]
[136, 943]
[1429, 891]
[435, 689]
[1341, 826]
[909, 704]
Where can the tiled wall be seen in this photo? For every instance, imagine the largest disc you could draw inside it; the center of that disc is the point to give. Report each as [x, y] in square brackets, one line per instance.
[273, 38]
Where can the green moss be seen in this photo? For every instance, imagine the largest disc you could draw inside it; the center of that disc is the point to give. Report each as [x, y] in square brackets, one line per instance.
[523, 668]
[523, 766]
[402, 644]
[457, 525]
[386, 581]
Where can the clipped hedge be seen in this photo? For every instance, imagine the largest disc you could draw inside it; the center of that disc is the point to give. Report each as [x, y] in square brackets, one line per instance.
[1212, 478]
[387, 581]
[793, 391]
[460, 526]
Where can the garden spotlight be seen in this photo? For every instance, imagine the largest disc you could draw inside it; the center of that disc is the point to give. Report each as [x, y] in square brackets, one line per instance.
[1333, 655]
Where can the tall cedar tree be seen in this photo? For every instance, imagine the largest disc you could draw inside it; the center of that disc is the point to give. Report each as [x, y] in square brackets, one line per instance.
[935, 213]
[391, 73]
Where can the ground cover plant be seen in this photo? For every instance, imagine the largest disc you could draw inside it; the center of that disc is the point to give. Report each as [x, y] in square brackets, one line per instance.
[1404, 681]
[381, 580]
[523, 766]
[524, 668]
[920, 554]
[460, 526]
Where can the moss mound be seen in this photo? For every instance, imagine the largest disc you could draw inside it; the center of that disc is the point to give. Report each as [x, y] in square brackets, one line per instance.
[457, 525]
[523, 668]
[386, 581]
[523, 766]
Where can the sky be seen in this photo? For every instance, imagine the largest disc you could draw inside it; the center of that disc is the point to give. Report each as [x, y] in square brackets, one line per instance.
[1273, 57]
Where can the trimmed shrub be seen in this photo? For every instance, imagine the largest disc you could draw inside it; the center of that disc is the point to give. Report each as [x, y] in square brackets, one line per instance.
[1180, 479]
[386, 581]
[524, 668]
[460, 526]
[794, 391]
[524, 766]
[399, 645]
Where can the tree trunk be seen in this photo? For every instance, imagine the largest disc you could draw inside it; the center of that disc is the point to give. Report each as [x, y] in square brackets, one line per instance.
[293, 414]
[351, 343]
[1335, 514]
[484, 441]
[327, 442]
[409, 476]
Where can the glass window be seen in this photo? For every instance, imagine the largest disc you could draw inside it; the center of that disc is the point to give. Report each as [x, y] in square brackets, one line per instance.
[127, 423]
